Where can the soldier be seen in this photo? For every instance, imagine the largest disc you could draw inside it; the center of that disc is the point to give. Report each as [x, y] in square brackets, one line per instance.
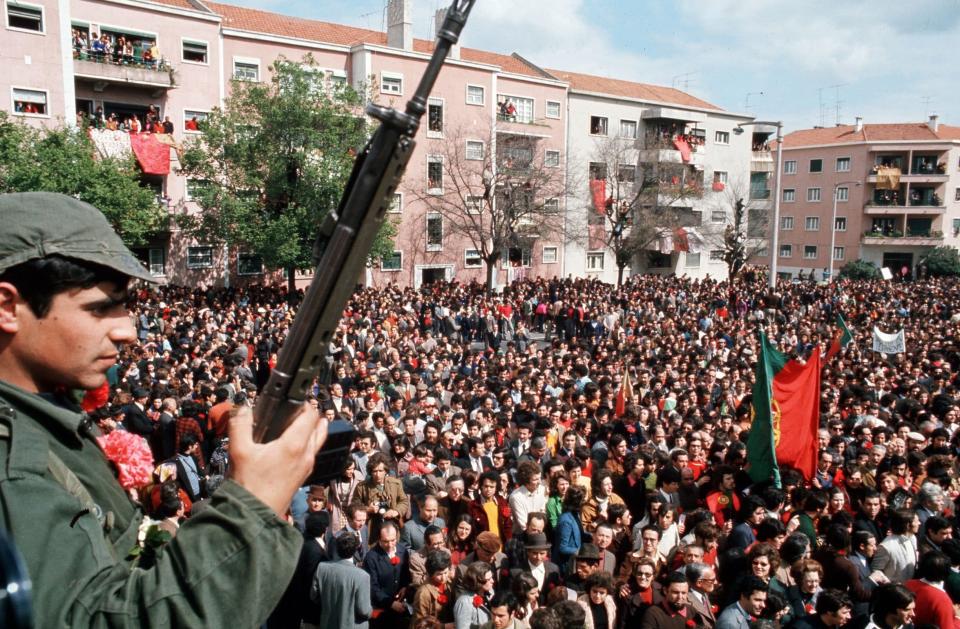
[63, 289]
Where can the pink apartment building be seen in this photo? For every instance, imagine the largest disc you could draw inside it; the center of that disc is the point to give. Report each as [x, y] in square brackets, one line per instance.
[897, 191]
[202, 46]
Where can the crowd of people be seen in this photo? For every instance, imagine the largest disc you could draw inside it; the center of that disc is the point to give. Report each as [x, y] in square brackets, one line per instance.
[504, 476]
[116, 49]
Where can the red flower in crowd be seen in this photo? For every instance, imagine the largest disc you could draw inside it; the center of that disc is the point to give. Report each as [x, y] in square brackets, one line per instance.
[808, 608]
[442, 599]
[478, 601]
[395, 561]
[690, 623]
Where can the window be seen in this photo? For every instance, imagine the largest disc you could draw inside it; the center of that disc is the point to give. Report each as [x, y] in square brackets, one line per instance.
[956, 194]
[474, 204]
[598, 125]
[720, 176]
[24, 17]
[718, 216]
[843, 164]
[552, 160]
[598, 170]
[249, 264]
[474, 149]
[843, 194]
[471, 258]
[721, 137]
[812, 223]
[809, 252]
[553, 109]
[434, 232]
[246, 70]
[194, 51]
[195, 189]
[693, 260]
[396, 204]
[627, 174]
[391, 83]
[790, 167]
[789, 195]
[392, 262]
[551, 206]
[200, 257]
[192, 120]
[475, 95]
[515, 109]
[696, 218]
[29, 102]
[628, 129]
[595, 261]
[517, 257]
[786, 223]
[716, 255]
[838, 253]
[816, 165]
[840, 224]
[435, 118]
[435, 174]
[813, 194]
[786, 251]
[158, 262]
[550, 255]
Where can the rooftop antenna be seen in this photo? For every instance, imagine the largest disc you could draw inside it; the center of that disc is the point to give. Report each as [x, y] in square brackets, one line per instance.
[366, 18]
[837, 101]
[746, 101]
[682, 81]
[926, 105]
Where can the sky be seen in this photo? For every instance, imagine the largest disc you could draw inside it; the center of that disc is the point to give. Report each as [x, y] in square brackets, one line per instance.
[805, 62]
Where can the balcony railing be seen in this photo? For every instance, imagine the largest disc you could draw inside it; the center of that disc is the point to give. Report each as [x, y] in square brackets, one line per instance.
[104, 67]
[515, 119]
[759, 194]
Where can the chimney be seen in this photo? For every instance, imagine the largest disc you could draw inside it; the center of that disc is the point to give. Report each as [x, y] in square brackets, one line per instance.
[858, 124]
[934, 123]
[400, 24]
[438, 19]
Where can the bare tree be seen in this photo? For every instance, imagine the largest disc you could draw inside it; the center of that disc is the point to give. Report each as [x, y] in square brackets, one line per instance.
[634, 205]
[498, 199]
[744, 234]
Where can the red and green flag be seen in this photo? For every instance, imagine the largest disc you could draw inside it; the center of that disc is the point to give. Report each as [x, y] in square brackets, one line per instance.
[840, 339]
[786, 414]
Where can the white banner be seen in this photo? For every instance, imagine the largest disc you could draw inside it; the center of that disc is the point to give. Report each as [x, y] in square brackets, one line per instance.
[889, 343]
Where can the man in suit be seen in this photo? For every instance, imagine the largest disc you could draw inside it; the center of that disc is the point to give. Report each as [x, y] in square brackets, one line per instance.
[342, 590]
[434, 539]
[487, 549]
[135, 418]
[414, 528]
[476, 459]
[896, 555]
[702, 580]
[753, 599]
[833, 609]
[674, 610]
[863, 546]
[521, 444]
[490, 510]
[387, 565]
[453, 505]
[356, 526]
[444, 471]
[545, 572]
[189, 475]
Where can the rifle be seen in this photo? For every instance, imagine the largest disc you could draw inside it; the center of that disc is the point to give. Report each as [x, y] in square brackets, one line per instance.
[340, 254]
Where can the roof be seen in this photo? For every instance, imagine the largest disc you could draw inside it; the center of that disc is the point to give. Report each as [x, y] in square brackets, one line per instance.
[847, 134]
[629, 89]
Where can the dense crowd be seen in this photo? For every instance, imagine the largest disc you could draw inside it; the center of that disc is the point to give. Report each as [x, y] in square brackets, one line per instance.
[502, 475]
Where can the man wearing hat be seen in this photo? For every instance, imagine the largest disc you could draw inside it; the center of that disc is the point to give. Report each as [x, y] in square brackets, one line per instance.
[487, 549]
[545, 572]
[135, 418]
[63, 289]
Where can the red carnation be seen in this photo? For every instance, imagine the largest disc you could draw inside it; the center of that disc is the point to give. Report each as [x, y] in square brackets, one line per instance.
[809, 608]
[690, 623]
[478, 601]
[442, 599]
[395, 561]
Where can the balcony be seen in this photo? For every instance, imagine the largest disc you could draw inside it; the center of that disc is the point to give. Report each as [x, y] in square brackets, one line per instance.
[658, 148]
[896, 210]
[762, 162]
[102, 72]
[758, 194]
[896, 238]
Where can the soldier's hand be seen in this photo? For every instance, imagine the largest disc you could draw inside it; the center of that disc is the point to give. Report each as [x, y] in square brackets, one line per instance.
[274, 471]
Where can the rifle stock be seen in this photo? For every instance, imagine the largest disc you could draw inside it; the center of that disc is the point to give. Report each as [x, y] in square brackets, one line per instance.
[341, 252]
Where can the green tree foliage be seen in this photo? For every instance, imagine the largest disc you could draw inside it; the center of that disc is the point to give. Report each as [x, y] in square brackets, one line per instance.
[63, 160]
[942, 262]
[274, 161]
[860, 270]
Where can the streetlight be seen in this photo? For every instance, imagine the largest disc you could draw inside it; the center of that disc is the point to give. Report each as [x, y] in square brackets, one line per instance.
[772, 280]
[833, 224]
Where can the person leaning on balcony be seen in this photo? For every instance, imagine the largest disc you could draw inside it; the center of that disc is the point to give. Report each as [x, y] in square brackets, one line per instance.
[76, 540]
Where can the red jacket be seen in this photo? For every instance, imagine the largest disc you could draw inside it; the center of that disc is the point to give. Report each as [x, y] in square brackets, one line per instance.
[933, 605]
[504, 517]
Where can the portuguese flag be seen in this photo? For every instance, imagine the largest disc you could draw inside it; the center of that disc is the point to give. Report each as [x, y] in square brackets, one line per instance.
[786, 414]
[841, 339]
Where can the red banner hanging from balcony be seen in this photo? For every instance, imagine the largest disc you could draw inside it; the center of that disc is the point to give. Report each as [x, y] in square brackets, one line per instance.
[684, 147]
[598, 191]
[152, 155]
[718, 186]
[680, 241]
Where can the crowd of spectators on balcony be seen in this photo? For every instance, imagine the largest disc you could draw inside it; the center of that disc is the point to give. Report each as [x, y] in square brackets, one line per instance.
[130, 123]
[117, 49]
[493, 480]
[508, 111]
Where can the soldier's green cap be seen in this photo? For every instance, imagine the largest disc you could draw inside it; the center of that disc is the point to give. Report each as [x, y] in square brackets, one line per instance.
[40, 224]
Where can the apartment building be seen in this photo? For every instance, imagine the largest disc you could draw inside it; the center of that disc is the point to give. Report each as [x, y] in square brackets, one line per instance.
[632, 137]
[895, 187]
[203, 46]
